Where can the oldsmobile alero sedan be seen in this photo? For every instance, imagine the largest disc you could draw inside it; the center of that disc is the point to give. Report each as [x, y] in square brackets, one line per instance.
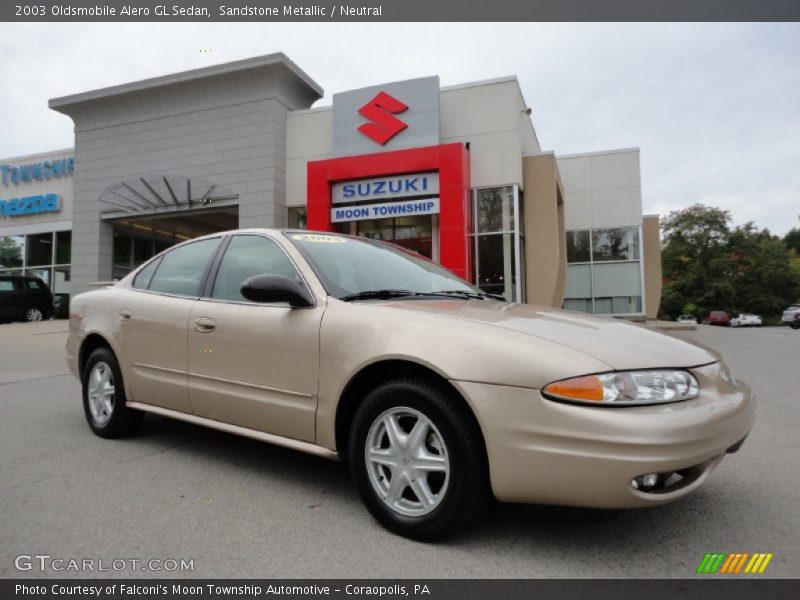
[438, 395]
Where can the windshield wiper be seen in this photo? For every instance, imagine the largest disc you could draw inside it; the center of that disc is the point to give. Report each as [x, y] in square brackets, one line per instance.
[377, 294]
[386, 294]
[469, 294]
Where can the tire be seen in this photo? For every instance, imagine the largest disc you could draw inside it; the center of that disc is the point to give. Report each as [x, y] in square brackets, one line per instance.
[793, 326]
[104, 397]
[33, 314]
[446, 466]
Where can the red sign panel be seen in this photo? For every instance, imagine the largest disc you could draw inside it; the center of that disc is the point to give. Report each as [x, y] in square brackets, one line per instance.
[451, 161]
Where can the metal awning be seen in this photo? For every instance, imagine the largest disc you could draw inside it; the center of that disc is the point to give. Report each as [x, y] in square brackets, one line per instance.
[161, 194]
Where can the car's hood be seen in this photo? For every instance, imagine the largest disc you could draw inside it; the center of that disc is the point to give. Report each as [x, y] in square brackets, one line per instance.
[620, 344]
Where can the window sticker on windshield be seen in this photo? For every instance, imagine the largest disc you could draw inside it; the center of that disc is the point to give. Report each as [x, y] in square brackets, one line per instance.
[320, 239]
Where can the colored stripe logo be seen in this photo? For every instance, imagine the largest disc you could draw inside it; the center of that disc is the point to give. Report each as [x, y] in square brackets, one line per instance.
[735, 563]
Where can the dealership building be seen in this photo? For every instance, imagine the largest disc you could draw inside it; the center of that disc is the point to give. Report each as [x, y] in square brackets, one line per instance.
[455, 173]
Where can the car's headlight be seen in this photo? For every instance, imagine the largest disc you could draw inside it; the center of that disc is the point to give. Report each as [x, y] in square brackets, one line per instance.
[626, 388]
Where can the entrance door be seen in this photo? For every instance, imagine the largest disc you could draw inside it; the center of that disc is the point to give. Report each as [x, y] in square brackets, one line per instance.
[416, 233]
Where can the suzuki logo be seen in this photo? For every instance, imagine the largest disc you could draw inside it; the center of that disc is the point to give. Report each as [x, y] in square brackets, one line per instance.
[381, 110]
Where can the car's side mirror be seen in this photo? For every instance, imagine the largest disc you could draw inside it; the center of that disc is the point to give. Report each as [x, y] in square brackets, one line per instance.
[276, 288]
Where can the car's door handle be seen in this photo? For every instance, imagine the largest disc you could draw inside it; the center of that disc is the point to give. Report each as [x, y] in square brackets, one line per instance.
[205, 325]
[125, 314]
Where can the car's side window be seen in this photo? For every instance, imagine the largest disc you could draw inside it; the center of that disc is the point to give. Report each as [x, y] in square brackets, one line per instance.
[246, 256]
[143, 277]
[181, 269]
[6, 286]
[33, 284]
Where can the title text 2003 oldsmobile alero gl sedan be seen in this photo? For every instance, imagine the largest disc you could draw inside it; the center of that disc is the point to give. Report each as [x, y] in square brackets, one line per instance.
[438, 395]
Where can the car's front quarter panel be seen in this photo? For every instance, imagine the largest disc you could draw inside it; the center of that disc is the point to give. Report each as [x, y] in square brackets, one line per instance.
[357, 335]
[549, 452]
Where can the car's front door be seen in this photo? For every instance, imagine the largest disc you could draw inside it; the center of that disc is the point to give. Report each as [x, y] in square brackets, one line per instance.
[254, 365]
[153, 317]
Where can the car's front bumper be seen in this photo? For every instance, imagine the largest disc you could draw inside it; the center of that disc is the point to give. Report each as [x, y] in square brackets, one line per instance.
[548, 452]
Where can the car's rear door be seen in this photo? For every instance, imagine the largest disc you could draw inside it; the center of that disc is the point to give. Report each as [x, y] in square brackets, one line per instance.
[254, 365]
[153, 317]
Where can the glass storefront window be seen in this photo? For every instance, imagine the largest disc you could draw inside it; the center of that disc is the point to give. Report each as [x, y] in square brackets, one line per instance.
[578, 304]
[607, 277]
[122, 250]
[63, 247]
[39, 248]
[621, 243]
[578, 246]
[497, 241]
[617, 305]
[43, 274]
[12, 251]
[130, 251]
[61, 280]
[160, 245]
[494, 209]
[413, 233]
[298, 218]
[34, 255]
[142, 250]
[497, 265]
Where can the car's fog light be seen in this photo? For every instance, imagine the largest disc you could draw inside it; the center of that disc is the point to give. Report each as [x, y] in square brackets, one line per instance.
[645, 482]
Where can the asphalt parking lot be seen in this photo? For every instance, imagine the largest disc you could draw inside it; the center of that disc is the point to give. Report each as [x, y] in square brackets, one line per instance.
[237, 507]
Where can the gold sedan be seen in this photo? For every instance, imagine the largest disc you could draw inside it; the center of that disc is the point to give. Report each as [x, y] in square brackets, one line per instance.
[438, 395]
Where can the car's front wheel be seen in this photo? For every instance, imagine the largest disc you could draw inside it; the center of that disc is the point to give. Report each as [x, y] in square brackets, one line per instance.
[104, 397]
[418, 459]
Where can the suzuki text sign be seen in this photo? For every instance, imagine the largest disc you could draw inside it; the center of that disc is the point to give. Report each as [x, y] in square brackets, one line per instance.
[379, 188]
[403, 114]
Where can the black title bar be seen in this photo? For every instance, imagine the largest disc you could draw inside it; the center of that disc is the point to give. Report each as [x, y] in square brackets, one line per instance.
[702, 587]
[401, 10]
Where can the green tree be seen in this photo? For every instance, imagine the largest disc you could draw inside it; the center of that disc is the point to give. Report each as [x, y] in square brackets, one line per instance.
[695, 261]
[764, 278]
[708, 266]
[792, 239]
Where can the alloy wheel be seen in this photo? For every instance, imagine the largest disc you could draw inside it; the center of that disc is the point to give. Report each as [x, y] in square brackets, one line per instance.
[100, 391]
[33, 314]
[407, 461]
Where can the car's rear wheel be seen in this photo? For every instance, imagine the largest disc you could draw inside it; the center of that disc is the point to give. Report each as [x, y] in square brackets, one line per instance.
[418, 459]
[104, 397]
[33, 314]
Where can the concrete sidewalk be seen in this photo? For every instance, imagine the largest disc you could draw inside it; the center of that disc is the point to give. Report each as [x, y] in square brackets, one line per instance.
[38, 350]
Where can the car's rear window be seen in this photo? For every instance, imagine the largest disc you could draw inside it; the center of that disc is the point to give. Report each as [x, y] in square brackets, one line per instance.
[717, 313]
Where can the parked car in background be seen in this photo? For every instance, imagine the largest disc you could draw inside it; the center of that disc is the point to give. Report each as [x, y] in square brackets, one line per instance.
[24, 299]
[791, 313]
[687, 319]
[521, 404]
[718, 317]
[746, 320]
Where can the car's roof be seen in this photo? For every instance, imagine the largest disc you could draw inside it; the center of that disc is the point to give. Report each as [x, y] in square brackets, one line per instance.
[267, 230]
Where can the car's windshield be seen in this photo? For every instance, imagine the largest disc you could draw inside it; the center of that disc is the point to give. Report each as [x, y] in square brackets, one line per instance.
[349, 265]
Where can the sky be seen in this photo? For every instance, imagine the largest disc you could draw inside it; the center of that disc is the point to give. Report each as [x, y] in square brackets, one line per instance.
[714, 108]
